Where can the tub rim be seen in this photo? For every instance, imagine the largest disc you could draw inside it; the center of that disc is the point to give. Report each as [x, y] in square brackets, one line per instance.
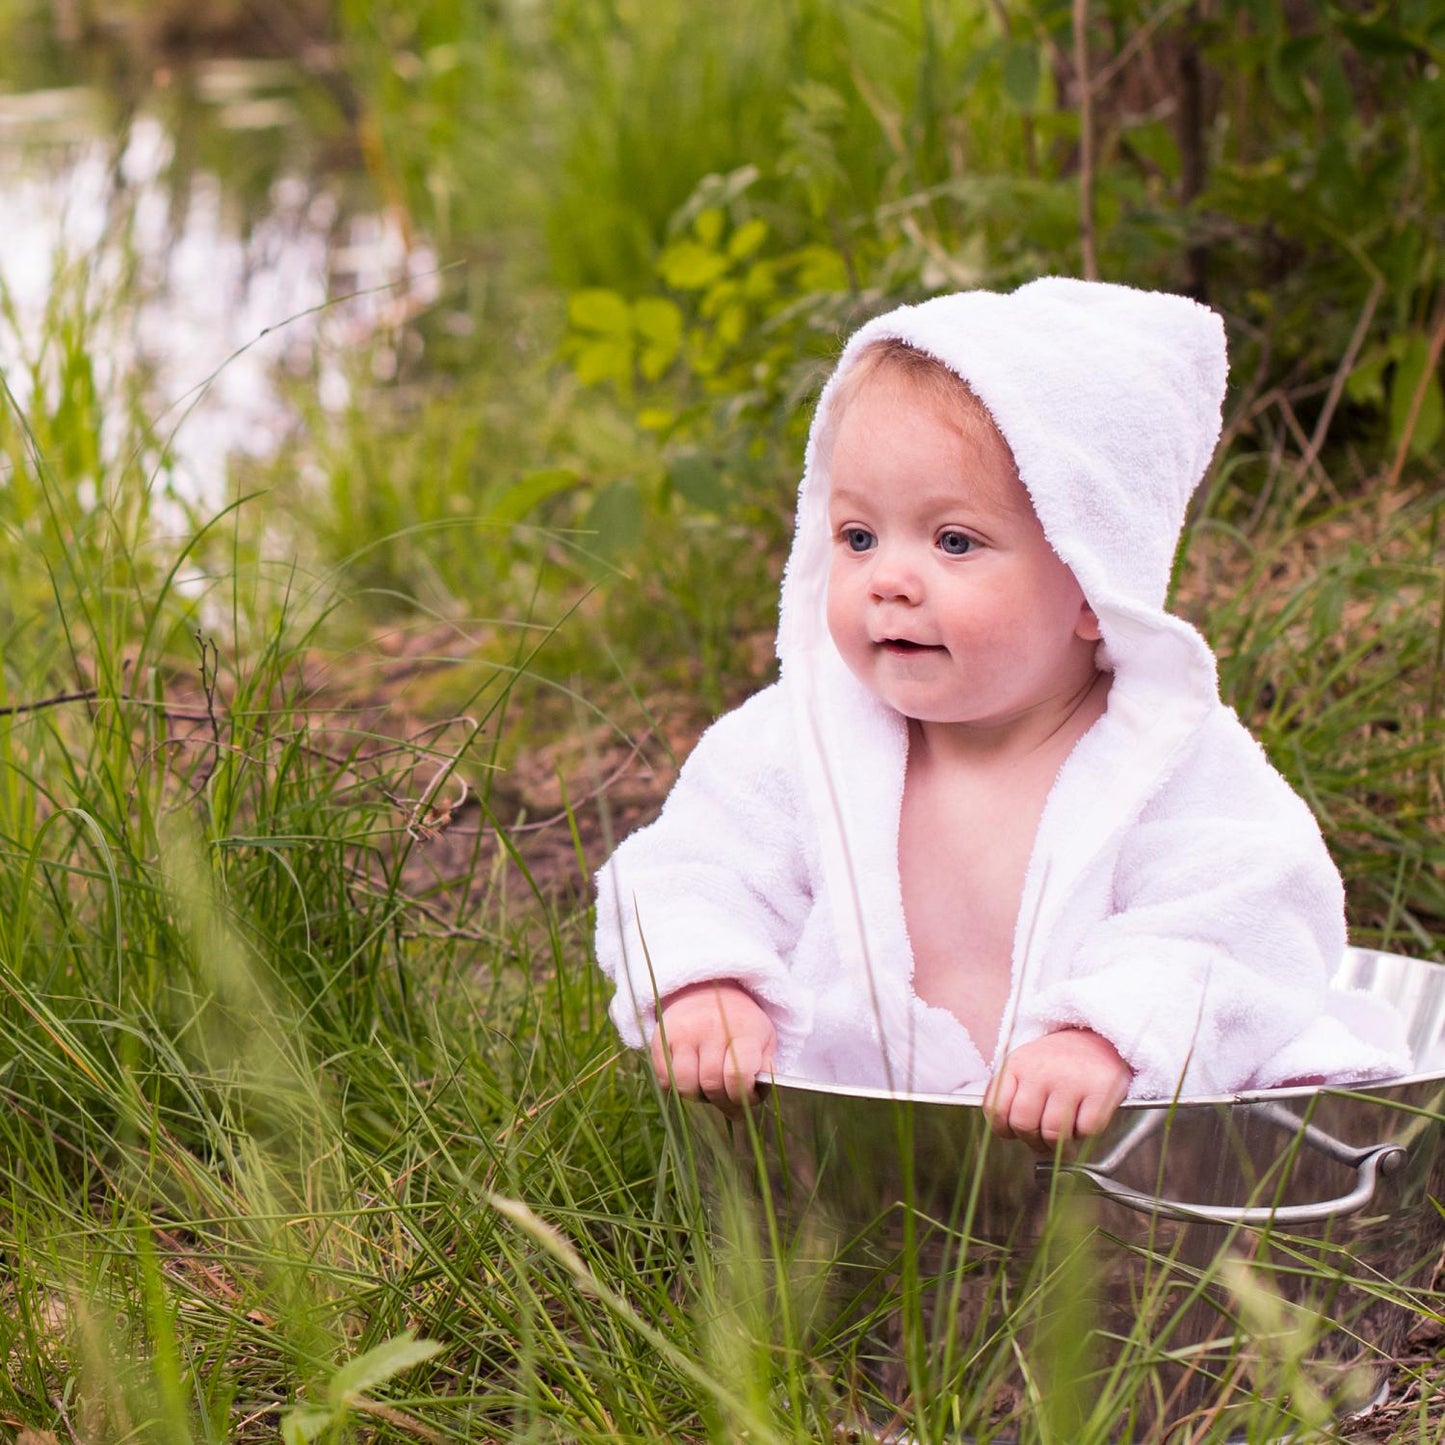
[792, 1083]
[1348, 1088]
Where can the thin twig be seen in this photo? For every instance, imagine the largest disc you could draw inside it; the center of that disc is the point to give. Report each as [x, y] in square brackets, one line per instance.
[1193, 152]
[425, 822]
[561, 815]
[212, 653]
[1135, 43]
[168, 745]
[531, 1112]
[1434, 783]
[89, 694]
[411, 904]
[1313, 468]
[451, 933]
[62, 697]
[1417, 401]
[1342, 372]
[1245, 408]
[1086, 140]
[551, 821]
[210, 670]
[409, 744]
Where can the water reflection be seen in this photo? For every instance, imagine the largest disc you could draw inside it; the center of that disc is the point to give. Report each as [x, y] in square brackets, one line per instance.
[172, 267]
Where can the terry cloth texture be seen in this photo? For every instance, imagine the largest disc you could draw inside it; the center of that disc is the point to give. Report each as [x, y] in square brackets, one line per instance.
[1179, 899]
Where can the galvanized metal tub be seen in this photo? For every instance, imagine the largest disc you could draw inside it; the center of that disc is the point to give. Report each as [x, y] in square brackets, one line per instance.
[1211, 1269]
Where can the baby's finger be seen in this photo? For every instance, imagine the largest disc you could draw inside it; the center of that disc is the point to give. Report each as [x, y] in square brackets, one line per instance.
[1057, 1119]
[1096, 1110]
[659, 1052]
[681, 1072]
[719, 1080]
[998, 1099]
[744, 1063]
[1026, 1113]
[765, 1063]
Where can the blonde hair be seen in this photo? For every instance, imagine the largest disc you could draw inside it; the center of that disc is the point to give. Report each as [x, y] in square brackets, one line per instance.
[931, 378]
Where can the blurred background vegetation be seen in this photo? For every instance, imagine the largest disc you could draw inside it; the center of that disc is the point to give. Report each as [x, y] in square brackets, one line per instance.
[409, 391]
[643, 230]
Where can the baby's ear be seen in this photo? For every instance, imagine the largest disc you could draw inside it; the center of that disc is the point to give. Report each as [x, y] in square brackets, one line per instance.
[1087, 626]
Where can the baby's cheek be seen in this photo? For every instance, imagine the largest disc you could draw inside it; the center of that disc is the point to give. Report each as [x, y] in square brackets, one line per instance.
[832, 606]
[844, 623]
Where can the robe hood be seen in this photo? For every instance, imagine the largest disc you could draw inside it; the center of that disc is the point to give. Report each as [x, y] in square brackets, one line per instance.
[1109, 398]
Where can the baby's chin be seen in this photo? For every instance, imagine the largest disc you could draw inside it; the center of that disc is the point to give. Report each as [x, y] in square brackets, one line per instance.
[962, 719]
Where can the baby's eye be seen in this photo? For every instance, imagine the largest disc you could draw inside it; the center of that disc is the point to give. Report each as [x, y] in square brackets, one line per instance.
[955, 544]
[858, 539]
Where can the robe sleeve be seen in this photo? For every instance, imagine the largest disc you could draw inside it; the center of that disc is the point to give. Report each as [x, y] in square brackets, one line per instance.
[718, 887]
[1212, 972]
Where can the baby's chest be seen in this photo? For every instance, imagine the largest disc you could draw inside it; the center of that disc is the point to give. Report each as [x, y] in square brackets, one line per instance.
[962, 857]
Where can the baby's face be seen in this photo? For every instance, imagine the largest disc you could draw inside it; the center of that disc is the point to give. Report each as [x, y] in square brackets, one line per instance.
[944, 597]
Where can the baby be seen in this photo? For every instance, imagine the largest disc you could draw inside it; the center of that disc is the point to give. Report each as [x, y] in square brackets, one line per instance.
[993, 830]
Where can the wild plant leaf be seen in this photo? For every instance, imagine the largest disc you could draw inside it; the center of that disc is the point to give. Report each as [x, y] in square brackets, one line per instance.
[697, 480]
[602, 312]
[760, 281]
[615, 517]
[1286, 83]
[713, 192]
[1337, 98]
[514, 501]
[1366, 382]
[1376, 37]
[1430, 419]
[690, 266]
[378, 1365]
[747, 238]
[1157, 143]
[708, 227]
[599, 361]
[820, 268]
[1021, 70]
[303, 1424]
[659, 323]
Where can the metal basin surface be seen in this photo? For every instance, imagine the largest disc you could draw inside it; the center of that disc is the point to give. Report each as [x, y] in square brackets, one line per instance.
[1211, 1269]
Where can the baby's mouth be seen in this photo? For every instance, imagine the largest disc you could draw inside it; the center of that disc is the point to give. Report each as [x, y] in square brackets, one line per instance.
[905, 647]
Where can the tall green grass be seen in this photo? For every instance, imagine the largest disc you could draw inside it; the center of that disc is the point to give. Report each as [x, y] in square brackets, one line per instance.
[301, 1138]
[313, 1122]
[1328, 622]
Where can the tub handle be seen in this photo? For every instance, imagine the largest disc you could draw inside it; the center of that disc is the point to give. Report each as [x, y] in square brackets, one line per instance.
[1369, 1162]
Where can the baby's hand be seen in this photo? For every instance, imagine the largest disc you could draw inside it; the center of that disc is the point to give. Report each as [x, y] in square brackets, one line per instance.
[1062, 1086]
[719, 1040]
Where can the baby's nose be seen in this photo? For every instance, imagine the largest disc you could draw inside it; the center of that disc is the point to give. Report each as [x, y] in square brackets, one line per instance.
[894, 579]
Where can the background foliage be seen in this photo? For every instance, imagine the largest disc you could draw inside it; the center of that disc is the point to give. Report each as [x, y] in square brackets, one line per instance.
[304, 1068]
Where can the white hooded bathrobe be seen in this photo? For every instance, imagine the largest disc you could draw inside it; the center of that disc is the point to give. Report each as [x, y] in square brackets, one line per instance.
[1179, 899]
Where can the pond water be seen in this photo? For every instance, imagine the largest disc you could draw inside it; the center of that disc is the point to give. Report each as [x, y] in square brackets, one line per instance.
[208, 238]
